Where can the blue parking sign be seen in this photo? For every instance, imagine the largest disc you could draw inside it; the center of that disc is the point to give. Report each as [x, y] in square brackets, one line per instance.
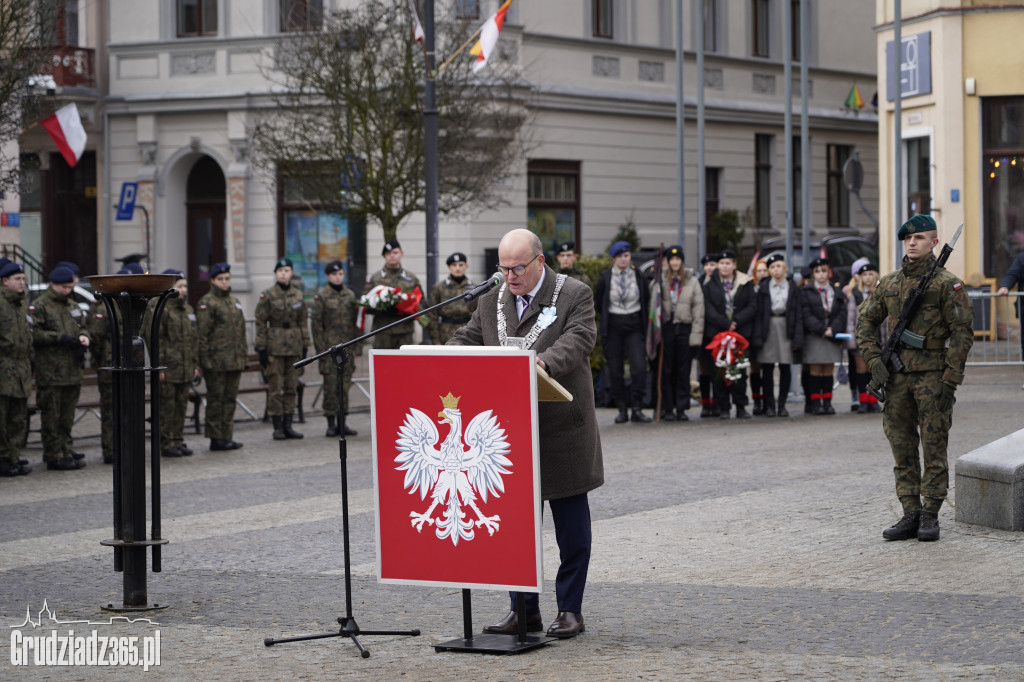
[126, 207]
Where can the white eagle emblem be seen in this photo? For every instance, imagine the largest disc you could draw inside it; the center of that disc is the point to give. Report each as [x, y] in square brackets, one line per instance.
[453, 471]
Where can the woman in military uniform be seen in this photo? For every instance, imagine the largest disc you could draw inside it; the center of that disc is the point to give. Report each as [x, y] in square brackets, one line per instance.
[282, 339]
[445, 321]
[222, 356]
[333, 320]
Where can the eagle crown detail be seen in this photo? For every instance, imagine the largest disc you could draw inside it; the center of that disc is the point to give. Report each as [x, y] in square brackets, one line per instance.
[450, 401]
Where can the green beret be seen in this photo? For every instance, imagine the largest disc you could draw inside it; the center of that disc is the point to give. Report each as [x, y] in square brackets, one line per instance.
[918, 223]
[283, 263]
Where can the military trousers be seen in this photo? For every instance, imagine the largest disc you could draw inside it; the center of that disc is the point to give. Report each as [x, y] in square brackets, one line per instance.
[282, 381]
[910, 417]
[106, 417]
[442, 333]
[57, 404]
[221, 393]
[173, 406]
[13, 413]
[330, 389]
[393, 339]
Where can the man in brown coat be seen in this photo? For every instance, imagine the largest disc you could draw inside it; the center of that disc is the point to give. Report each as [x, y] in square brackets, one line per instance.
[554, 315]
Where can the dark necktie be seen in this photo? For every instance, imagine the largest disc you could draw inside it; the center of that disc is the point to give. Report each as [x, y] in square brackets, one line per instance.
[824, 298]
[526, 304]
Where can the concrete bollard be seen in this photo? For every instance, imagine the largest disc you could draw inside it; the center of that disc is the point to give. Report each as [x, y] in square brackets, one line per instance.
[990, 484]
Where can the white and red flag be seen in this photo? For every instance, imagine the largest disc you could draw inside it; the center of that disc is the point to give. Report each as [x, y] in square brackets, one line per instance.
[65, 127]
[417, 27]
[489, 37]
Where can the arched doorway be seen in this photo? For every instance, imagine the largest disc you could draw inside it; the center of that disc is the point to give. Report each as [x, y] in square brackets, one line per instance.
[205, 216]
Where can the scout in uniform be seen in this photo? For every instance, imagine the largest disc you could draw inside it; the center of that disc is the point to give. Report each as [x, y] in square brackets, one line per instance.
[222, 356]
[392, 275]
[16, 354]
[333, 320]
[282, 339]
[60, 338]
[449, 319]
[919, 399]
[567, 256]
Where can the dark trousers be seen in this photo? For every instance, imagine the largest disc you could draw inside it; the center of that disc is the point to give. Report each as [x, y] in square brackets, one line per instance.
[675, 370]
[12, 427]
[571, 516]
[625, 338]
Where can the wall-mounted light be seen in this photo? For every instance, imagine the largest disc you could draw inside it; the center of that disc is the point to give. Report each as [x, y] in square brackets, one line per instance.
[970, 86]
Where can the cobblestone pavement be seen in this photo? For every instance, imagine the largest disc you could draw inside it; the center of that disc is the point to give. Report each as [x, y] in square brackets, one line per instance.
[723, 550]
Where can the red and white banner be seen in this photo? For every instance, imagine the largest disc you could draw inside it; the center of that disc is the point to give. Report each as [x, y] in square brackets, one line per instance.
[65, 127]
[457, 467]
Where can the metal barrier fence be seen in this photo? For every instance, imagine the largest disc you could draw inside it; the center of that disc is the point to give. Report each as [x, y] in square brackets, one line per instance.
[998, 329]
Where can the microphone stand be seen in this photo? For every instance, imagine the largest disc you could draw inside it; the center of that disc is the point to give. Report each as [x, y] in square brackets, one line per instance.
[349, 628]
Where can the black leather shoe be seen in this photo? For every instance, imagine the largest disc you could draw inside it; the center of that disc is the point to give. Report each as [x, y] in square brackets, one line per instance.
[668, 416]
[928, 531]
[741, 412]
[681, 416]
[75, 455]
[623, 416]
[510, 625]
[65, 464]
[639, 416]
[185, 450]
[567, 625]
[350, 431]
[14, 469]
[172, 452]
[905, 528]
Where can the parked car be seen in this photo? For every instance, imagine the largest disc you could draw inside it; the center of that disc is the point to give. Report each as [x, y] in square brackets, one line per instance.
[81, 295]
[840, 249]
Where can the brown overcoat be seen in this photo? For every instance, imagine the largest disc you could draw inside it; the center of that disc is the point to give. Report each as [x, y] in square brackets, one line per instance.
[570, 446]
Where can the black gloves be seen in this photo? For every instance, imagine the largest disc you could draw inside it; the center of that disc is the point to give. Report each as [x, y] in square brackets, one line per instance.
[69, 342]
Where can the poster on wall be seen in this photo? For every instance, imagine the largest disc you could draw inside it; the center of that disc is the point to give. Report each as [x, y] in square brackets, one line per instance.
[312, 239]
[553, 226]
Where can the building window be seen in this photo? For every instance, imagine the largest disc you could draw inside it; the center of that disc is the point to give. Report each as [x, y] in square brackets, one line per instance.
[760, 26]
[712, 176]
[794, 26]
[197, 18]
[602, 18]
[796, 209]
[710, 25]
[838, 195]
[467, 9]
[301, 15]
[763, 180]
[553, 203]
[1002, 182]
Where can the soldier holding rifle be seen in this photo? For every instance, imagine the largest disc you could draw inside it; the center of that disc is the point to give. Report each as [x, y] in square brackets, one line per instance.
[917, 371]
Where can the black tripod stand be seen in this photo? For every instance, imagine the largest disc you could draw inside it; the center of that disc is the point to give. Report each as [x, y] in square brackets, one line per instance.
[349, 628]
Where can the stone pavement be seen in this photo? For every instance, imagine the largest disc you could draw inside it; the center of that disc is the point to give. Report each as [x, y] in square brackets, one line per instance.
[723, 550]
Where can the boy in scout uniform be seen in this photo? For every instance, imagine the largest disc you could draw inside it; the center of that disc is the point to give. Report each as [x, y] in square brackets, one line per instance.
[919, 399]
[567, 257]
[60, 339]
[392, 275]
[282, 338]
[449, 319]
[179, 355]
[16, 354]
[333, 320]
[222, 356]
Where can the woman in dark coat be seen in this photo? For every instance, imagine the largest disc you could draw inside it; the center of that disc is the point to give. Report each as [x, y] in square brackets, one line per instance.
[823, 311]
[778, 329]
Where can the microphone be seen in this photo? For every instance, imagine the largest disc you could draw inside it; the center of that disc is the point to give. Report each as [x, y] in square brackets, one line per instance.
[485, 286]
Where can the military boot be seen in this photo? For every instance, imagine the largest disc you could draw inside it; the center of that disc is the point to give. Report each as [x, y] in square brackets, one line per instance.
[906, 528]
[928, 530]
[623, 416]
[286, 426]
[279, 433]
[332, 425]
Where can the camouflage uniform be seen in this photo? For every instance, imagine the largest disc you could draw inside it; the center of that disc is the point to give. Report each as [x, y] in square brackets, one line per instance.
[222, 357]
[179, 354]
[449, 319]
[910, 415]
[333, 320]
[282, 331]
[403, 334]
[58, 369]
[576, 273]
[101, 355]
[16, 354]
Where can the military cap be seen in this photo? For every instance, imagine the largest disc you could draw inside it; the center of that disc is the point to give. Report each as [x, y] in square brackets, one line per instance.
[390, 245]
[674, 251]
[776, 257]
[10, 268]
[62, 275]
[817, 262]
[284, 262]
[709, 258]
[333, 266]
[4, 260]
[132, 268]
[219, 269]
[131, 258]
[867, 267]
[70, 266]
[566, 247]
[918, 223]
[175, 271]
[457, 257]
[727, 253]
[618, 248]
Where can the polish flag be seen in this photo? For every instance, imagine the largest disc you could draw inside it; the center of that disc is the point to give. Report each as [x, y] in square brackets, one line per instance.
[417, 28]
[65, 127]
[489, 37]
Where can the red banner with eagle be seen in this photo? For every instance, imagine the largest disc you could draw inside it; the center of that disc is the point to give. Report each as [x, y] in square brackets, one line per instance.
[456, 467]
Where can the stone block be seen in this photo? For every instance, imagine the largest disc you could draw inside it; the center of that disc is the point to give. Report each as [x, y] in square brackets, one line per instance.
[990, 484]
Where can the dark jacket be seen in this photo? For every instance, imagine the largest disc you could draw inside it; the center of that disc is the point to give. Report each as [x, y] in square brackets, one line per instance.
[744, 307]
[762, 320]
[603, 297]
[1015, 275]
[812, 312]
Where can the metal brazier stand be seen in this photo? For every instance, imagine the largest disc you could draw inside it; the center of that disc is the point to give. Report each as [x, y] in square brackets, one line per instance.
[126, 298]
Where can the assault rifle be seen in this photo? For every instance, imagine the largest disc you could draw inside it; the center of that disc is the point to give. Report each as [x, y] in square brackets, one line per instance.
[900, 337]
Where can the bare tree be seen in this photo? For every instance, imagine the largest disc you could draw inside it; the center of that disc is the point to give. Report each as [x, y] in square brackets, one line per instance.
[26, 29]
[348, 121]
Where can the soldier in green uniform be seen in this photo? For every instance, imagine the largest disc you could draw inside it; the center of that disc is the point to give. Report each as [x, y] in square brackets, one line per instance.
[179, 355]
[919, 403]
[60, 338]
[333, 320]
[567, 256]
[16, 354]
[392, 275]
[445, 321]
[222, 356]
[282, 338]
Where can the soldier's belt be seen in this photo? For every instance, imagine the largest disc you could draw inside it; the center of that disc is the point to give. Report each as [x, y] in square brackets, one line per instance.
[919, 342]
[283, 325]
[453, 320]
